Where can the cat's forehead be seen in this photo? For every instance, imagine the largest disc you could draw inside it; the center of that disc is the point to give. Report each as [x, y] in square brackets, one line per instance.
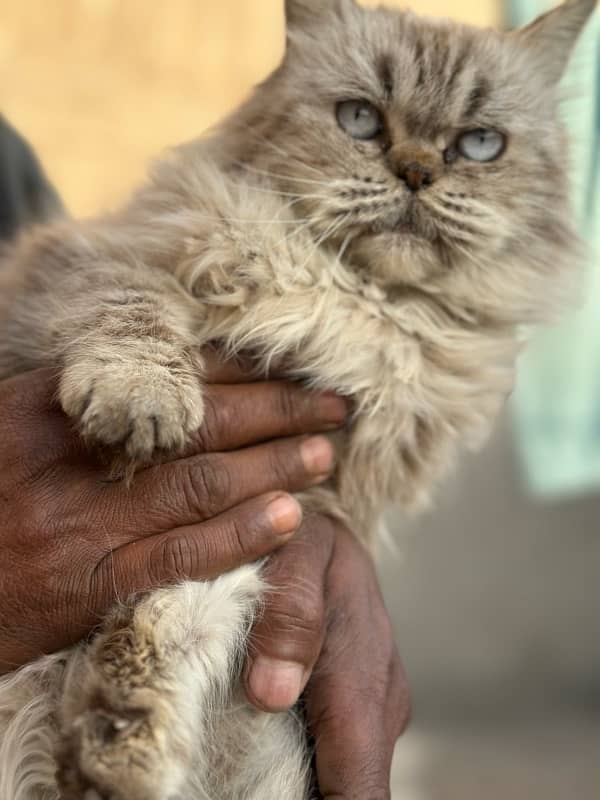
[435, 75]
[431, 74]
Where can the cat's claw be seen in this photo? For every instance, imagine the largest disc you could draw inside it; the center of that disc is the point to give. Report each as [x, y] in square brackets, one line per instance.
[136, 408]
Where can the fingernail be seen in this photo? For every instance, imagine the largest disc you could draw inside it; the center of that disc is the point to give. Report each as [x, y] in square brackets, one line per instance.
[332, 408]
[318, 455]
[284, 514]
[276, 684]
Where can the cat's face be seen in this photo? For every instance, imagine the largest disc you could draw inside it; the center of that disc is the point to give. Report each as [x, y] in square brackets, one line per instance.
[423, 149]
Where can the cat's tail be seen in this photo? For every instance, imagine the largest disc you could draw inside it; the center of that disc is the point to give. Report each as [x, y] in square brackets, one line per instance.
[26, 195]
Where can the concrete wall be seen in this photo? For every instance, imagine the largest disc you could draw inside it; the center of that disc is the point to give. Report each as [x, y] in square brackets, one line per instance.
[496, 597]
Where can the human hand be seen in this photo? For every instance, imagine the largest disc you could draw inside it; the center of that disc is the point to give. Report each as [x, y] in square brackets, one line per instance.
[72, 542]
[325, 628]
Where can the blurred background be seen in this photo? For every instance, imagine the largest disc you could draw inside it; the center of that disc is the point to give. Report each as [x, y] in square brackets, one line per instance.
[495, 594]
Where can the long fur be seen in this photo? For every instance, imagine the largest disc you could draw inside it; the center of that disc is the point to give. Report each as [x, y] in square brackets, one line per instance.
[280, 235]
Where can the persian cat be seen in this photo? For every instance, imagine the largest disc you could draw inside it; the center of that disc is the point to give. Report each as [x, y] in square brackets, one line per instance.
[383, 218]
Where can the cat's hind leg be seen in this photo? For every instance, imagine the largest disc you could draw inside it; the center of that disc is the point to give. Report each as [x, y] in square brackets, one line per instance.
[138, 703]
[254, 756]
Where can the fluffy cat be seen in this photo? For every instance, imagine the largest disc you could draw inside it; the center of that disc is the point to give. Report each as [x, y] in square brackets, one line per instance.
[381, 218]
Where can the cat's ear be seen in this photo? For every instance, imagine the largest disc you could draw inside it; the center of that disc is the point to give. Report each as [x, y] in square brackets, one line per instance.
[552, 37]
[302, 13]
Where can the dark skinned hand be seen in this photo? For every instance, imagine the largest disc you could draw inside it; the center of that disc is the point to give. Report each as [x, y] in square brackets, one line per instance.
[72, 542]
[326, 627]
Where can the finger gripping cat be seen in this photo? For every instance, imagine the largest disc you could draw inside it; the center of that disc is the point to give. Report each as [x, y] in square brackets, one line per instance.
[384, 217]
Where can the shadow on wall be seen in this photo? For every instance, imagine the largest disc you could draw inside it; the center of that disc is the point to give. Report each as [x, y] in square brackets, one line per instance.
[495, 597]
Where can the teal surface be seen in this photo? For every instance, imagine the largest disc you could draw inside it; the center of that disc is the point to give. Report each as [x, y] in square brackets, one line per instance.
[557, 401]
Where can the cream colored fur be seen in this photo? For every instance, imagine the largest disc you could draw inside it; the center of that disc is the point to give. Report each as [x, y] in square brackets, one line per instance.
[281, 235]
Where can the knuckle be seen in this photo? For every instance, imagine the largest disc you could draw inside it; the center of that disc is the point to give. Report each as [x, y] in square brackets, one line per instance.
[280, 465]
[287, 405]
[214, 419]
[207, 486]
[176, 558]
[301, 612]
[100, 585]
[205, 436]
[375, 791]
[372, 785]
[238, 539]
[311, 616]
[319, 531]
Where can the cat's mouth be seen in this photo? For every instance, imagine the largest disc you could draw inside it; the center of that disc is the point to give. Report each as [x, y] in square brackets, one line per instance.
[407, 228]
[410, 221]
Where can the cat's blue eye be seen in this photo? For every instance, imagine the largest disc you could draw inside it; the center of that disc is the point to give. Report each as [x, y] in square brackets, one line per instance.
[359, 119]
[481, 145]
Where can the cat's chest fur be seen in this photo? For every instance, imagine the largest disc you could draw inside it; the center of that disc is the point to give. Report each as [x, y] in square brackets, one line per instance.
[269, 289]
[420, 378]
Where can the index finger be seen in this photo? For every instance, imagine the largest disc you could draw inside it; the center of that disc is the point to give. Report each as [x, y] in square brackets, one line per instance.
[287, 637]
[235, 369]
[241, 415]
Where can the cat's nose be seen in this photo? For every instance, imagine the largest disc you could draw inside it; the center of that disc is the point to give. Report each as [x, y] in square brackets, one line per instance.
[415, 175]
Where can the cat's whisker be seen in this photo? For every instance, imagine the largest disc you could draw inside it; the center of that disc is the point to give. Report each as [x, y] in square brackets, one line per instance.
[457, 230]
[289, 205]
[270, 191]
[343, 247]
[158, 219]
[363, 194]
[465, 222]
[459, 242]
[295, 195]
[278, 176]
[455, 197]
[317, 243]
[466, 204]
[289, 159]
[306, 223]
[458, 233]
[453, 229]
[263, 140]
[327, 234]
[333, 185]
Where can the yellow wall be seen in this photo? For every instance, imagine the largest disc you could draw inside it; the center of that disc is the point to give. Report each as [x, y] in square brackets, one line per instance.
[100, 86]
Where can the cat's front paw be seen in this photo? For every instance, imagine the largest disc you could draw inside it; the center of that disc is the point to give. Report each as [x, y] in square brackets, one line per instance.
[134, 405]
